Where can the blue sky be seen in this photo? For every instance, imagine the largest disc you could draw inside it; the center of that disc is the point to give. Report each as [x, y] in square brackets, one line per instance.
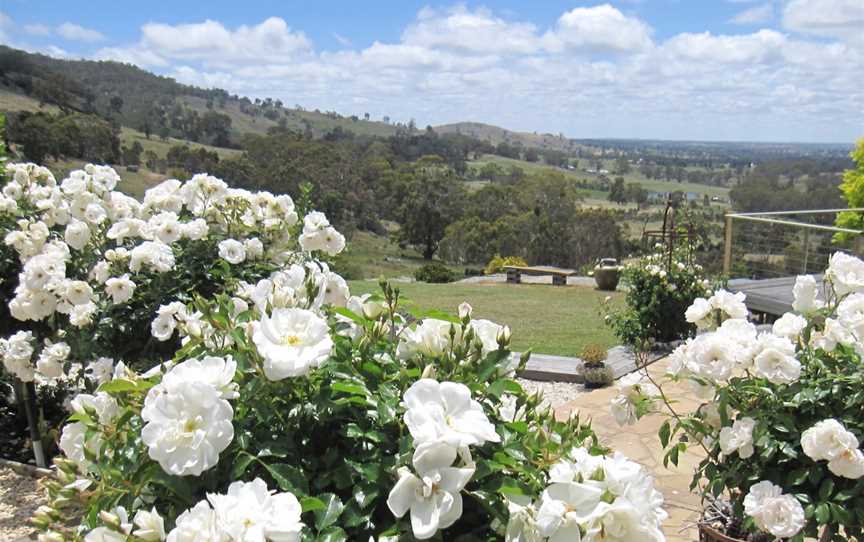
[780, 70]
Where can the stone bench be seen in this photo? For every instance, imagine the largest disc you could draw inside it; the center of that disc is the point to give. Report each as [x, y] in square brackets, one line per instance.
[559, 275]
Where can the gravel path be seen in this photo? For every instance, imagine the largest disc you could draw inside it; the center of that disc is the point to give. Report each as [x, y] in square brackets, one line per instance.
[19, 498]
[555, 394]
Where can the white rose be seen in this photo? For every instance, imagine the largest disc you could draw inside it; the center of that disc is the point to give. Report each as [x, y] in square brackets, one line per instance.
[730, 304]
[77, 234]
[738, 438]
[162, 327]
[254, 248]
[846, 273]
[198, 524]
[789, 325]
[700, 313]
[429, 338]
[446, 412]
[781, 515]
[250, 511]
[804, 293]
[120, 288]
[827, 440]
[335, 290]
[232, 251]
[433, 495]
[104, 534]
[150, 526]
[187, 426]
[292, 342]
[215, 371]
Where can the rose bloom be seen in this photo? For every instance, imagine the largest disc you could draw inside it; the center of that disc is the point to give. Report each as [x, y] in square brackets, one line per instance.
[781, 515]
[846, 273]
[738, 438]
[292, 342]
[232, 251]
[446, 412]
[187, 426]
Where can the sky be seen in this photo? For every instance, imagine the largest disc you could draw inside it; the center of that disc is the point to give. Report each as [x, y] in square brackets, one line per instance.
[733, 70]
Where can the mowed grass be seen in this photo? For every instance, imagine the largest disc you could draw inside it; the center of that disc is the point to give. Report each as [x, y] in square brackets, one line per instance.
[559, 320]
[374, 256]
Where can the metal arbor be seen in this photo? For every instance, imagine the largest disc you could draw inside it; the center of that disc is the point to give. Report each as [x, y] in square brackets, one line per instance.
[672, 235]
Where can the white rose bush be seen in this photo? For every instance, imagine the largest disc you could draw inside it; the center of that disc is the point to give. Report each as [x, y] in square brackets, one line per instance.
[782, 418]
[223, 385]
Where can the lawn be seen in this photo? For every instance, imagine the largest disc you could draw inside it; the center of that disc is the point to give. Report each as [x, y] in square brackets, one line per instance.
[548, 319]
[369, 256]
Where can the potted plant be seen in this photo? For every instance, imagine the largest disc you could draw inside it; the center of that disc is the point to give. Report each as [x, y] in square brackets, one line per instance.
[594, 369]
[607, 273]
[781, 427]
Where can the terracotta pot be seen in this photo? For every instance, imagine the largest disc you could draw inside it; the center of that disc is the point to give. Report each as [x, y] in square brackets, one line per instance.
[710, 534]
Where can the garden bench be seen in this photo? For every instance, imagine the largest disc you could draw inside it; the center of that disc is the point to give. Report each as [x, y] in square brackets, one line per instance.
[559, 275]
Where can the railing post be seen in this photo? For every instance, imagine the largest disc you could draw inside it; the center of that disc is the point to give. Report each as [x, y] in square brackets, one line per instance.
[859, 245]
[727, 252]
[806, 249]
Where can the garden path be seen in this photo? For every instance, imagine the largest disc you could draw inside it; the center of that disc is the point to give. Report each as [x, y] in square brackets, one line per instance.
[639, 442]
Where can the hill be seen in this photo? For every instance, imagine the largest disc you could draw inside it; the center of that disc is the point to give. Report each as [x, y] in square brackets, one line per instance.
[156, 104]
[496, 135]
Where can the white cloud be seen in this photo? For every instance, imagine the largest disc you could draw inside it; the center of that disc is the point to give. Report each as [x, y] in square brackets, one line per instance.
[472, 31]
[600, 28]
[343, 41]
[37, 29]
[271, 40]
[765, 45]
[833, 18]
[75, 32]
[132, 55]
[754, 15]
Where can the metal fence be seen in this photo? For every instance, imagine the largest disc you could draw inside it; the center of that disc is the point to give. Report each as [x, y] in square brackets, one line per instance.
[783, 243]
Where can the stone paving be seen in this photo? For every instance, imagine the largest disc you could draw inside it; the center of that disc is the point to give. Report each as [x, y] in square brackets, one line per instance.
[640, 443]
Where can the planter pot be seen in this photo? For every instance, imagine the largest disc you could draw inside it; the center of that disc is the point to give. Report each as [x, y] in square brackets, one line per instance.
[597, 375]
[710, 534]
[607, 274]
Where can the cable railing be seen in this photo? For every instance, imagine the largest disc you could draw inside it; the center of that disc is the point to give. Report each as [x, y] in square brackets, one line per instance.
[784, 243]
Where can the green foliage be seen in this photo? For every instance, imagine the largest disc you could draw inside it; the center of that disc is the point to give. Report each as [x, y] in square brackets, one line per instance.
[853, 191]
[435, 272]
[657, 296]
[497, 263]
[43, 135]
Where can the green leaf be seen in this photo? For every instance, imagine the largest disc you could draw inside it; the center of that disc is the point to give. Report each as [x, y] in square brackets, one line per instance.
[288, 477]
[310, 504]
[333, 534]
[353, 389]
[241, 465]
[330, 513]
[826, 489]
[823, 513]
[123, 385]
[664, 433]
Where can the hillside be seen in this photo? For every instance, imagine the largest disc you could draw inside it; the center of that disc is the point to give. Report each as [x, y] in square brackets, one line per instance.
[151, 103]
[496, 135]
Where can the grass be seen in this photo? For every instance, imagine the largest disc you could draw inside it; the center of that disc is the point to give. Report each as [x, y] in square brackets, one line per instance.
[374, 256]
[160, 146]
[548, 319]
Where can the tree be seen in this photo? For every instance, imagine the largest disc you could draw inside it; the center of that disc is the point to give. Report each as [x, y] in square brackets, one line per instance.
[617, 192]
[116, 104]
[431, 200]
[853, 190]
[636, 194]
[622, 166]
[531, 154]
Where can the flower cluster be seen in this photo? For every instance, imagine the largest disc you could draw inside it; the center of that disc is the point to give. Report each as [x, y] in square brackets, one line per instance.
[591, 498]
[778, 404]
[97, 265]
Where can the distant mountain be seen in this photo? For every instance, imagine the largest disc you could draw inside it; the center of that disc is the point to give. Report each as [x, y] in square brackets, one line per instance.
[496, 135]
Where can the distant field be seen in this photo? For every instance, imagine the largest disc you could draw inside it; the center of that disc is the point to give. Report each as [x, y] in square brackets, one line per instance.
[633, 176]
[549, 319]
[17, 102]
[160, 147]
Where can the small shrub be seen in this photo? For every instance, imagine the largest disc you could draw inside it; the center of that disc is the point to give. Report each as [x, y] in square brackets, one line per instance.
[657, 296]
[593, 353]
[435, 272]
[497, 264]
